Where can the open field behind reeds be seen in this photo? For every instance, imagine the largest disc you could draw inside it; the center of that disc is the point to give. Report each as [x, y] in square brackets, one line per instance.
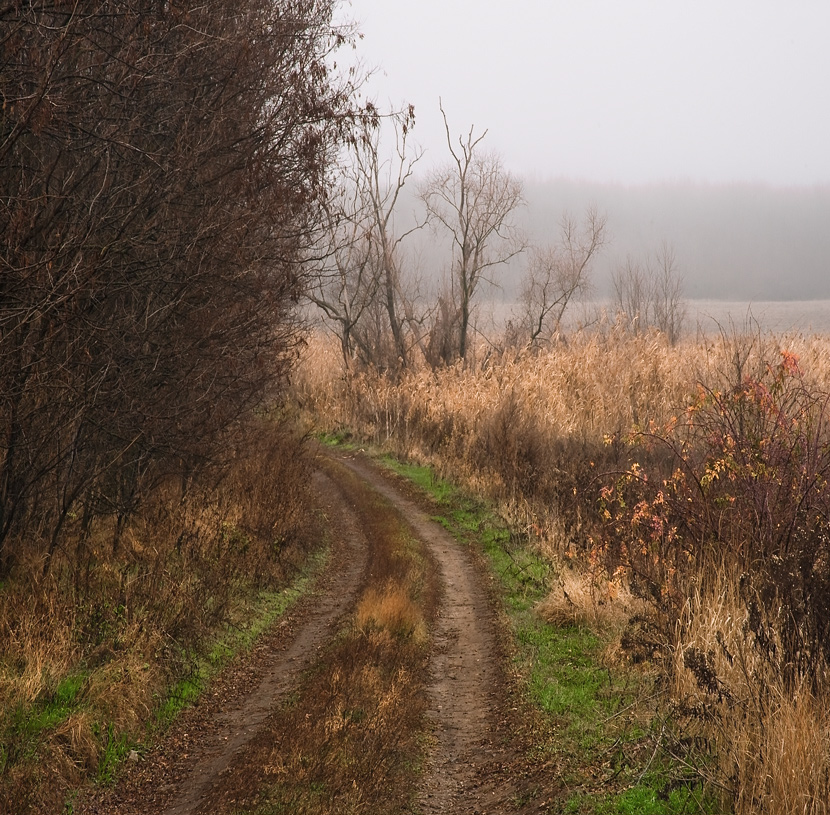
[694, 477]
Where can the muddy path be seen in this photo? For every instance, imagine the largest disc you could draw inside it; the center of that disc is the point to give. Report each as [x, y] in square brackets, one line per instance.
[453, 731]
[466, 768]
[176, 776]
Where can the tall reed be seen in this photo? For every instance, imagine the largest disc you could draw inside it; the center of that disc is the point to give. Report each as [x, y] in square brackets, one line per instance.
[581, 445]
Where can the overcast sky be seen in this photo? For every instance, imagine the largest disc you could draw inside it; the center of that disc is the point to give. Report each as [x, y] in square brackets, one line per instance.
[628, 91]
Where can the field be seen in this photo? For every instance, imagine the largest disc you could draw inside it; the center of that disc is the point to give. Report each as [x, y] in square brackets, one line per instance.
[689, 480]
[658, 515]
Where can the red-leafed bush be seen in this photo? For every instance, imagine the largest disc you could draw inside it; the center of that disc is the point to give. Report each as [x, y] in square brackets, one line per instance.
[738, 481]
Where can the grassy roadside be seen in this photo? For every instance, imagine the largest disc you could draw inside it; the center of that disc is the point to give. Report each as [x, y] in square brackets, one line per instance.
[30, 731]
[259, 614]
[594, 722]
[129, 622]
[238, 636]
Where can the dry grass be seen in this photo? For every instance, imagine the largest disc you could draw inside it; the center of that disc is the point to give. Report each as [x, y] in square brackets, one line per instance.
[89, 650]
[392, 609]
[772, 744]
[588, 389]
[581, 598]
[595, 385]
[793, 777]
[349, 742]
[538, 433]
[36, 628]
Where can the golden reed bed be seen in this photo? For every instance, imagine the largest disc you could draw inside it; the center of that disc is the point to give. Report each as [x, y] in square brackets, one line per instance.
[528, 428]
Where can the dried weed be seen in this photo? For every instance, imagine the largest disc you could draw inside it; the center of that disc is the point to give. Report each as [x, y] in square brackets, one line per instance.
[391, 608]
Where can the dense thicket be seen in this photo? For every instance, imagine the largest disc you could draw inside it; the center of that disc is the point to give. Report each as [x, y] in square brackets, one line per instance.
[160, 169]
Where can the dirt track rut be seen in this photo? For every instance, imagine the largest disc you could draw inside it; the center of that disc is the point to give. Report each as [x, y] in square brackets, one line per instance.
[238, 724]
[465, 768]
[464, 670]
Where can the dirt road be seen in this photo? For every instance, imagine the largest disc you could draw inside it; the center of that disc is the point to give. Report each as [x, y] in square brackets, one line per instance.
[465, 687]
[298, 715]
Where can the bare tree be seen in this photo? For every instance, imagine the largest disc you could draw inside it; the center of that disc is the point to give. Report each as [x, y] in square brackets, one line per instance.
[633, 294]
[363, 294]
[349, 280]
[651, 295]
[382, 183]
[558, 272]
[669, 305]
[474, 198]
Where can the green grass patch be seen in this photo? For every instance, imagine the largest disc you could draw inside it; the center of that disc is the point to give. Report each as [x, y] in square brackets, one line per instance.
[640, 800]
[263, 612]
[339, 438]
[424, 477]
[27, 723]
[116, 747]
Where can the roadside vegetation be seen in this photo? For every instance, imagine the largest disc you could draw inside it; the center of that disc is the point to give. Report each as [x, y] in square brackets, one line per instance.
[588, 718]
[98, 658]
[157, 211]
[664, 519]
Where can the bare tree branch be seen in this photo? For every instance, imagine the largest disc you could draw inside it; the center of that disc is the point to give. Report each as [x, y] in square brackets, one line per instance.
[558, 272]
[651, 295]
[365, 298]
[162, 173]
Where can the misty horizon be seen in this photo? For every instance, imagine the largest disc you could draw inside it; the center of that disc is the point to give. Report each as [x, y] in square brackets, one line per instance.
[741, 242]
[693, 126]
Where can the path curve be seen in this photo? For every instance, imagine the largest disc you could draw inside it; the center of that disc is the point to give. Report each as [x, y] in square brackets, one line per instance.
[464, 668]
[467, 765]
[238, 725]
[180, 774]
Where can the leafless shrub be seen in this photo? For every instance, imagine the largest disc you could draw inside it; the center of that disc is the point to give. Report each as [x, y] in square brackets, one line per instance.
[651, 295]
[162, 173]
[156, 208]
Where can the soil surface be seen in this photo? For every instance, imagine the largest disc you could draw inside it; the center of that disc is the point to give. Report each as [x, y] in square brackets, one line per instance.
[465, 771]
[474, 763]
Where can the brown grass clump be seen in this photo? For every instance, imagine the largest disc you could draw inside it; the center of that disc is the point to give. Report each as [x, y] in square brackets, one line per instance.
[349, 742]
[580, 598]
[37, 631]
[794, 777]
[391, 608]
[771, 743]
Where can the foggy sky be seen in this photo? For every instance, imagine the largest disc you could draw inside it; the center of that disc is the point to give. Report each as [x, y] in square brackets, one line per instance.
[624, 91]
[738, 242]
